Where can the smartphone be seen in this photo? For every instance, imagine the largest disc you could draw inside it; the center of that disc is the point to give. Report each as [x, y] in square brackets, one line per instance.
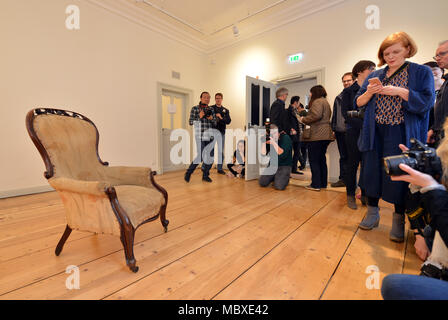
[375, 81]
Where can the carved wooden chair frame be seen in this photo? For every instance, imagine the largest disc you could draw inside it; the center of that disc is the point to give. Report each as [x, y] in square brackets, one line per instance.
[127, 230]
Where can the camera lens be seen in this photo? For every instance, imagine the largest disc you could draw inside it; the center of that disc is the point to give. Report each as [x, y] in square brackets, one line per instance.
[391, 164]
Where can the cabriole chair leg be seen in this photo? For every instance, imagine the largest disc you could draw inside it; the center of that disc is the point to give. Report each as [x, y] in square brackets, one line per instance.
[64, 238]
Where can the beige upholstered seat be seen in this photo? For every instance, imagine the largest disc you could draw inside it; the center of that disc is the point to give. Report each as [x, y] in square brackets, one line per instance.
[96, 197]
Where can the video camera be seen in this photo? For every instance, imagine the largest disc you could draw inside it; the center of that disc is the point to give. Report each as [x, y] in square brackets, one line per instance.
[421, 158]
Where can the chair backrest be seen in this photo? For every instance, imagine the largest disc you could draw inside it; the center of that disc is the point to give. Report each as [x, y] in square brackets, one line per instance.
[67, 142]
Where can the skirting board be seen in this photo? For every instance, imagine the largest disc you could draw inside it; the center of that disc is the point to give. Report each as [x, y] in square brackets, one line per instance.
[24, 192]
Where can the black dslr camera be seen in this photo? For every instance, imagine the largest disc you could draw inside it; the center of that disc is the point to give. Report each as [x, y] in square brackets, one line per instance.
[357, 114]
[206, 109]
[424, 159]
[419, 157]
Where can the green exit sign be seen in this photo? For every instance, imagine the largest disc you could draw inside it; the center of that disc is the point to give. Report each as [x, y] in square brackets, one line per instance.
[295, 58]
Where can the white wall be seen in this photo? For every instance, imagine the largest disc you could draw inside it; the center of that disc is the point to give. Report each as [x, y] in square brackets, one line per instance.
[107, 70]
[334, 39]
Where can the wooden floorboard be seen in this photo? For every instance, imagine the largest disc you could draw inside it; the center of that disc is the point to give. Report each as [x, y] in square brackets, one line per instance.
[371, 254]
[229, 239]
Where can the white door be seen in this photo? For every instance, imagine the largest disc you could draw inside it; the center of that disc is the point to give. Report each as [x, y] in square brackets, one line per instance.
[259, 97]
[173, 117]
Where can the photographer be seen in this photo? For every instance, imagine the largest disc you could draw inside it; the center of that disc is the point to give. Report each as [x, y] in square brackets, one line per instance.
[203, 118]
[434, 284]
[397, 100]
[222, 120]
[279, 169]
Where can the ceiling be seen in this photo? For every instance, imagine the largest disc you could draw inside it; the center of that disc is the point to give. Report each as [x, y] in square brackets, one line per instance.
[210, 16]
[209, 25]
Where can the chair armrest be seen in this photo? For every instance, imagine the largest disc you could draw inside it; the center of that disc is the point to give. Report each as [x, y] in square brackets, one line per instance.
[97, 188]
[134, 176]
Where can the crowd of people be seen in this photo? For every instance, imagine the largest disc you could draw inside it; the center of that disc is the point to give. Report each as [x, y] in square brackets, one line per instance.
[375, 116]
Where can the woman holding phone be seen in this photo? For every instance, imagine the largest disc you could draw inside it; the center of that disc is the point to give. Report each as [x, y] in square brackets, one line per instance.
[397, 100]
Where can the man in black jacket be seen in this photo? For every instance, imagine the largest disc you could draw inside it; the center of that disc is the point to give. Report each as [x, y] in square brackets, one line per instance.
[278, 112]
[338, 127]
[441, 107]
[293, 130]
[223, 119]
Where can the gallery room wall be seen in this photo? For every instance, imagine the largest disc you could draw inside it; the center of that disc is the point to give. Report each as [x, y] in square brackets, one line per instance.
[334, 39]
[108, 70]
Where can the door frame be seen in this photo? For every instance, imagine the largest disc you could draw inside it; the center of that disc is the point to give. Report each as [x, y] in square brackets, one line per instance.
[188, 102]
[262, 83]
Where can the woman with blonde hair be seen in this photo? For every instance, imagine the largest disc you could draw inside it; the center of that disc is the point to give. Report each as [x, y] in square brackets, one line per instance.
[397, 99]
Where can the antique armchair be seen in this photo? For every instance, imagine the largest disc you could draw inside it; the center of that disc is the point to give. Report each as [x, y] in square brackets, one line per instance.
[97, 198]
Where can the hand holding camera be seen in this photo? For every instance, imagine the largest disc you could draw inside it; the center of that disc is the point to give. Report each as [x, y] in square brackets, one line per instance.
[205, 111]
[414, 163]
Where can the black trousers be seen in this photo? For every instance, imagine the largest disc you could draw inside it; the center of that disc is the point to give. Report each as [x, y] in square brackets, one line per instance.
[296, 144]
[206, 154]
[318, 163]
[354, 157]
[303, 153]
[342, 147]
[230, 167]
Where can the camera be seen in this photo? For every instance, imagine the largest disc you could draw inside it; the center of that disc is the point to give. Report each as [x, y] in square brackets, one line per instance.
[207, 110]
[267, 125]
[422, 158]
[419, 157]
[357, 114]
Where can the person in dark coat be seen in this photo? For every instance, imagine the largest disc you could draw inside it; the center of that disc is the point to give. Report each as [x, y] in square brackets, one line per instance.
[353, 123]
[293, 129]
[278, 113]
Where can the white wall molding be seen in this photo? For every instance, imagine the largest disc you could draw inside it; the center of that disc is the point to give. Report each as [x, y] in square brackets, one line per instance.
[133, 13]
[210, 44]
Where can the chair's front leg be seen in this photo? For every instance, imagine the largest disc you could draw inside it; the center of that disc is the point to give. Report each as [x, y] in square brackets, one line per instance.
[127, 230]
[127, 239]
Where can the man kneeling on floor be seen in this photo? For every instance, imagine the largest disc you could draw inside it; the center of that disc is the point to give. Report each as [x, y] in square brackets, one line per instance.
[280, 154]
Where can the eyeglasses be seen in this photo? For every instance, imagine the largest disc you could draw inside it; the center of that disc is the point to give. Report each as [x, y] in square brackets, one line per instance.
[440, 55]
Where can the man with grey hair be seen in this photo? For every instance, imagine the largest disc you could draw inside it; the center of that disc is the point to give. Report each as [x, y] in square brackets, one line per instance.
[441, 107]
[278, 109]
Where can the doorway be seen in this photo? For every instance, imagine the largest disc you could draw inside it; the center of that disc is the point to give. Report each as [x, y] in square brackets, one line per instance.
[173, 114]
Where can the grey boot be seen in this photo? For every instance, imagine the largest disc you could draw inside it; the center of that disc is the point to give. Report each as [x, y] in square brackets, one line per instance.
[372, 219]
[351, 202]
[398, 224]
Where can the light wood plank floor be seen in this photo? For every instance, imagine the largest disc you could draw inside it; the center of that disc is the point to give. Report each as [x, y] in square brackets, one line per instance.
[229, 239]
